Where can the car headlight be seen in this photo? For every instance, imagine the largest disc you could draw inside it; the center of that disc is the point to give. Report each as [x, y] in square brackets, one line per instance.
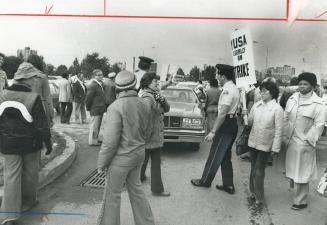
[187, 121]
[196, 121]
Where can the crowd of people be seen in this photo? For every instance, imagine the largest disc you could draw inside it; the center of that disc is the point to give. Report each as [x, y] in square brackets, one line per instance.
[286, 125]
[131, 110]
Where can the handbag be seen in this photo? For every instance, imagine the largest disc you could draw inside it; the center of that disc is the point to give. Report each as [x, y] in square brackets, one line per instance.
[242, 141]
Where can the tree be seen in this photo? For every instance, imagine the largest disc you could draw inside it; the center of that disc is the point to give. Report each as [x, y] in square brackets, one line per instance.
[37, 61]
[62, 69]
[195, 73]
[10, 65]
[180, 71]
[209, 72]
[75, 68]
[115, 68]
[92, 61]
[49, 69]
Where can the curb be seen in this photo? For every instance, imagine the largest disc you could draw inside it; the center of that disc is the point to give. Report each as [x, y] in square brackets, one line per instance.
[57, 166]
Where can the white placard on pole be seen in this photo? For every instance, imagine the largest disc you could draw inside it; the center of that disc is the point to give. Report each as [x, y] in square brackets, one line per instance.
[242, 51]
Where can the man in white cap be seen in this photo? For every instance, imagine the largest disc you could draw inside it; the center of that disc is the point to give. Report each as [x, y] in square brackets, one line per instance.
[123, 148]
[109, 88]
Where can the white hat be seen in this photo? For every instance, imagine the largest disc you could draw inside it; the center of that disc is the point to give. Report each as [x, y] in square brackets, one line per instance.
[112, 75]
[125, 80]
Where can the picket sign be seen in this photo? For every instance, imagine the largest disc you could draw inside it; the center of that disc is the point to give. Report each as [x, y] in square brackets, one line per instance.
[242, 52]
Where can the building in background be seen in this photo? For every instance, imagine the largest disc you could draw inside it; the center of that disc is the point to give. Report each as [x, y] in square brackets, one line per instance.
[284, 73]
[259, 76]
[25, 53]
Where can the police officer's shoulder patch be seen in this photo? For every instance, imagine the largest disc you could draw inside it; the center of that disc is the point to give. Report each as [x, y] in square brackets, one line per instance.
[225, 92]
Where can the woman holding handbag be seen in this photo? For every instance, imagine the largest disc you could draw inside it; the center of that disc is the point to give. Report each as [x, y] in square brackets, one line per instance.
[266, 119]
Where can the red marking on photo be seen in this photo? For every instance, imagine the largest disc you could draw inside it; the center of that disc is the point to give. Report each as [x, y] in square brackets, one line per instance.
[48, 11]
[105, 15]
[321, 14]
[104, 7]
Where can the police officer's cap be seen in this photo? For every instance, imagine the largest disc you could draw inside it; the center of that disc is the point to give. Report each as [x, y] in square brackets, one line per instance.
[224, 68]
[144, 59]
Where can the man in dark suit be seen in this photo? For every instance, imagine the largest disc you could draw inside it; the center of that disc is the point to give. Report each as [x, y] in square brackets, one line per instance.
[79, 93]
[96, 104]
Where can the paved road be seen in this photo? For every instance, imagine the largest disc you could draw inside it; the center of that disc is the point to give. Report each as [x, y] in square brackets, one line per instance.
[187, 205]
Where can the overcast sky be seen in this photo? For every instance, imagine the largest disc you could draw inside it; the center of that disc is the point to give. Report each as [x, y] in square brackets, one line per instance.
[181, 43]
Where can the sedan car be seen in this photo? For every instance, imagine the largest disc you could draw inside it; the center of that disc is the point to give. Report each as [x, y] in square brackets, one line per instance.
[184, 123]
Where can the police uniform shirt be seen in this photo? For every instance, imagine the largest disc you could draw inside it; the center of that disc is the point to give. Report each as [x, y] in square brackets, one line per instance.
[139, 74]
[230, 96]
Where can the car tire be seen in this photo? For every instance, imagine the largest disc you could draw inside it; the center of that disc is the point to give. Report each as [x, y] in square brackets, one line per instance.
[195, 146]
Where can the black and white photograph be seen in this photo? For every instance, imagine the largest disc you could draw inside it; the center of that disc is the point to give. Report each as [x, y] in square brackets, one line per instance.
[162, 112]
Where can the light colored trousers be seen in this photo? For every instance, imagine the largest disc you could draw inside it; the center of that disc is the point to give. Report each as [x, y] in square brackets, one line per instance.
[301, 192]
[95, 126]
[79, 112]
[21, 178]
[116, 177]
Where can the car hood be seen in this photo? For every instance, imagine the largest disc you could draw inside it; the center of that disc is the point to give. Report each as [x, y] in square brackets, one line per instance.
[184, 109]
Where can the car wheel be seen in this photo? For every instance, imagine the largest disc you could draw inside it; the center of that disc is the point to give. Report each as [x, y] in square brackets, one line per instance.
[195, 146]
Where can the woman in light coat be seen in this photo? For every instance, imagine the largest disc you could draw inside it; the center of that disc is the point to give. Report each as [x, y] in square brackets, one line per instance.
[266, 118]
[305, 118]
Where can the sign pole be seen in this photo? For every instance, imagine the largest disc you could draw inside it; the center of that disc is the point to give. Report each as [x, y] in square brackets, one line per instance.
[245, 116]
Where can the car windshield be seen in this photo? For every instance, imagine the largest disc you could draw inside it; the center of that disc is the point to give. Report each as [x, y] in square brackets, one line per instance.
[182, 95]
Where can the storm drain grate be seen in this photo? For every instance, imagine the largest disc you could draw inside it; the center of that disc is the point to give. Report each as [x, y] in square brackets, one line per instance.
[95, 180]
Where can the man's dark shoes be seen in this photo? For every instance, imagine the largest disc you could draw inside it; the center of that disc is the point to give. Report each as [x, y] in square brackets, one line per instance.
[228, 189]
[199, 183]
[299, 207]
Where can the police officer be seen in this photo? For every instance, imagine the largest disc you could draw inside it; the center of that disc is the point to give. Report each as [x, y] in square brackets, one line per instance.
[144, 66]
[223, 133]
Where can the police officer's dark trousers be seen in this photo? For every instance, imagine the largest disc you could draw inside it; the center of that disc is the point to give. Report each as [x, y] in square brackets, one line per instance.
[221, 154]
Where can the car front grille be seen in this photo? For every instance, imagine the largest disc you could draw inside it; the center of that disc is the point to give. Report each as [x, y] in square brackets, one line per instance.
[175, 121]
[172, 121]
[166, 121]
